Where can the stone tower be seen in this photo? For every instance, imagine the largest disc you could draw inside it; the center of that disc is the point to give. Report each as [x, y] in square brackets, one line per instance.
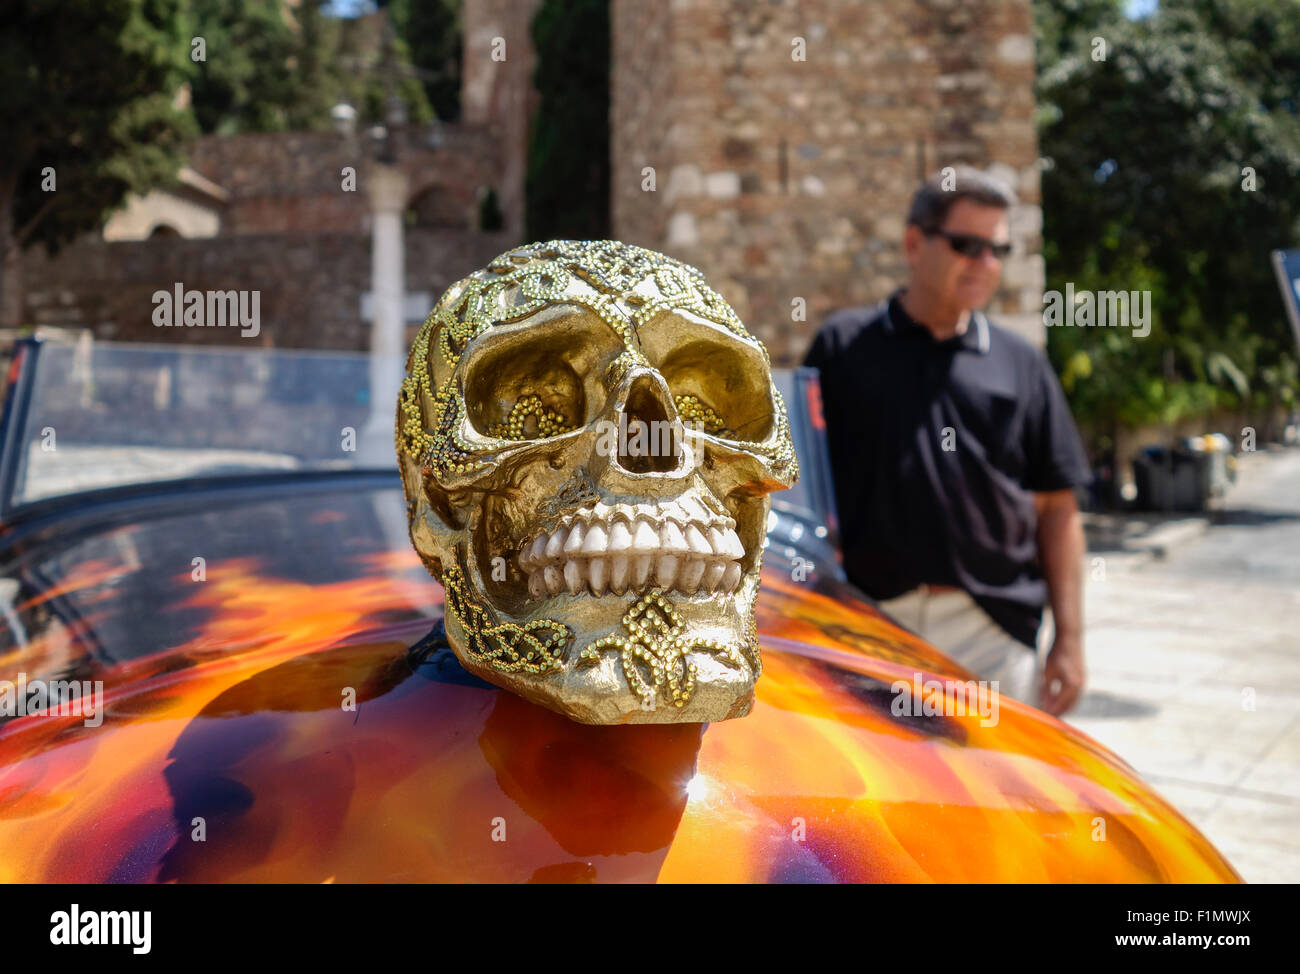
[785, 140]
[497, 88]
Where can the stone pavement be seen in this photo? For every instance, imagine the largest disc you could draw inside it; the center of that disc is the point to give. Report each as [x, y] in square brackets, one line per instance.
[1193, 649]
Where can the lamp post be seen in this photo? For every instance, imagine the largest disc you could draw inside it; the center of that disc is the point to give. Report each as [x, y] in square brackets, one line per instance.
[387, 188]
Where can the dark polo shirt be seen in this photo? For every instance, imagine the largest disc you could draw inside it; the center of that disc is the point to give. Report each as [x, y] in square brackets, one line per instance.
[937, 448]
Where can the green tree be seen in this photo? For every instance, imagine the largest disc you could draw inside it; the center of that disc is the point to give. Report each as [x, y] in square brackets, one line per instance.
[1067, 27]
[268, 67]
[274, 67]
[567, 183]
[1172, 167]
[378, 67]
[433, 35]
[89, 101]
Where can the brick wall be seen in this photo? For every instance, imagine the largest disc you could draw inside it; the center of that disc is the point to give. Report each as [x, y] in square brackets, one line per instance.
[784, 179]
[289, 229]
[498, 93]
[310, 283]
[293, 181]
[640, 114]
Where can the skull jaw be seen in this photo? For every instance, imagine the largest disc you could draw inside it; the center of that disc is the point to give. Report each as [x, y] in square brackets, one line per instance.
[598, 690]
[599, 675]
[599, 694]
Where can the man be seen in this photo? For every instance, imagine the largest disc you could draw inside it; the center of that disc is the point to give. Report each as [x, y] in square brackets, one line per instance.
[955, 456]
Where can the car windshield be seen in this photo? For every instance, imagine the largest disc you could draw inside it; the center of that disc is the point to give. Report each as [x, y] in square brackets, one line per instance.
[94, 415]
[807, 498]
[98, 415]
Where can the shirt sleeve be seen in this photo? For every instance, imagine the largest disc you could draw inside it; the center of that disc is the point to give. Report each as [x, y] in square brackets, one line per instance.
[1054, 454]
[816, 356]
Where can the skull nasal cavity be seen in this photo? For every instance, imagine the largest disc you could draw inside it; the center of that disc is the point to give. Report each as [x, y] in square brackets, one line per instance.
[647, 440]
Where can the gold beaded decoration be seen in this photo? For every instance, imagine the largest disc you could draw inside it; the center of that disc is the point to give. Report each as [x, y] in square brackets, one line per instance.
[694, 412]
[448, 453]
[412, 438]
[654, 647]
[780, 449]
[627, 287]
[547, 422]
[524, 280]
[535, 647]
[752, 649]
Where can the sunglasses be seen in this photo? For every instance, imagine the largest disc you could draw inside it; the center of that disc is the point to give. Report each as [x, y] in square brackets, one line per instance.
[969, 245]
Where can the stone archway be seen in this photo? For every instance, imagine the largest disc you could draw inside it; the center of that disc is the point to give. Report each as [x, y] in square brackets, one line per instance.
[434, 208]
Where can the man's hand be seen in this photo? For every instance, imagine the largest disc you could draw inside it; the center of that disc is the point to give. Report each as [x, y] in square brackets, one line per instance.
[1061, 551]
[1063, 675]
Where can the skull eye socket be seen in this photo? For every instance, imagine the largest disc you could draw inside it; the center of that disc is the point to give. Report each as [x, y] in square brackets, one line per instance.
[700, 415]
[720, 390]
[530, 419]
[526, 398]
[521, 386]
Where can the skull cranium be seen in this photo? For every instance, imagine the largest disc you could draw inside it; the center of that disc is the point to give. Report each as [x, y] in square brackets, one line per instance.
[587, 437]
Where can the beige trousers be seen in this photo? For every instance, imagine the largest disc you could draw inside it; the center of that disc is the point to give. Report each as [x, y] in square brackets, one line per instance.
[955, 625]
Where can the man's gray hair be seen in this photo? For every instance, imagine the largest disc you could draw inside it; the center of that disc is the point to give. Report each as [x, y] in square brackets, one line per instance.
[941, 192]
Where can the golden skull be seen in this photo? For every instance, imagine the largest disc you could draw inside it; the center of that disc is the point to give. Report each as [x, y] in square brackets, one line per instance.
[587, 436]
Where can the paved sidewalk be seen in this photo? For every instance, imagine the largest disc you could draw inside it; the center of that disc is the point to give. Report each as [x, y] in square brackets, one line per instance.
[1144, 535]
[1193, 649]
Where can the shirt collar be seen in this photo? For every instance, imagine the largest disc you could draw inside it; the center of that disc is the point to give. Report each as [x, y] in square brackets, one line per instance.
[975, 337]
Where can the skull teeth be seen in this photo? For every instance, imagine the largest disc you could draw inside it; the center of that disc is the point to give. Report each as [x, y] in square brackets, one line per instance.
[690, 550]
[620, 569]
[620, 538]
[704, 513]
[620, 574]
[554, 579]
[641, 571]
[573, 576]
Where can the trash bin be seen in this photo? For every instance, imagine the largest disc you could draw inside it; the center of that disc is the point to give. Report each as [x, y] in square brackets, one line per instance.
[1171, 480]
[1215, 448]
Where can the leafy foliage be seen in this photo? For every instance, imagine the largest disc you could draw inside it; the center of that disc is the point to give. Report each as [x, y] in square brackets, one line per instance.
[89, 92]
[567, 185]
[432, 32]
[271, 67]
[490, 217]
[1152, 153]
[1066, 27]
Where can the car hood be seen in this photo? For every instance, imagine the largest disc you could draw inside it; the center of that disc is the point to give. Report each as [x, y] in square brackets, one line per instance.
[270, 724]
